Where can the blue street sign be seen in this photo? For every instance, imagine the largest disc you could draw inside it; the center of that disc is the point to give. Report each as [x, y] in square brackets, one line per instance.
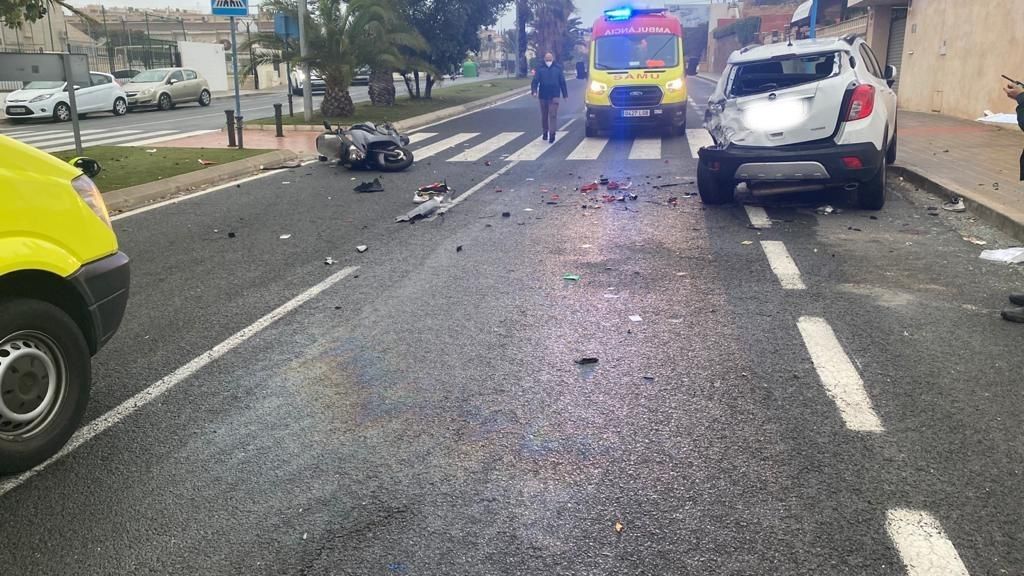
[229, 7]
[285, 26]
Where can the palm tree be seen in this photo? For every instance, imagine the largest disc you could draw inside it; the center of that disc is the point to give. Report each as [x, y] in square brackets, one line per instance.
[551, 20]
[522, 17]
[385, 41]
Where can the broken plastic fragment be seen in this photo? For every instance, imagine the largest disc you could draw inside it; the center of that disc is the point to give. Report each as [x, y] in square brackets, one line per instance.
[586, 360]
[635, 318]
[284, 236]
[329, 261]
[571, 277]
[619, 527]
[361, 249]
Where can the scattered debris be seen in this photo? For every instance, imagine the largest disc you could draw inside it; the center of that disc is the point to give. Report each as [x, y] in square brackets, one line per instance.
[975, 241]
[151, 150]
[825, 210]
[361, 249]
[619, 527]
[1006, 256]
[286, 182]
[586, 360]
[284, 236]
[649, 378]
[458, 248]
[373, 186]
[747, 242]
[633, 196]
[436, 190]
[669, 185]
[636, 318]
[854, 229]
[586, 246]
[527, 209]
[571, 277]
[955, 205]
[603, 180]
[673, 201]
[422, 211]
[231, 234]
[207, 162]
[506, 214]
[330, 261]
[589, 187]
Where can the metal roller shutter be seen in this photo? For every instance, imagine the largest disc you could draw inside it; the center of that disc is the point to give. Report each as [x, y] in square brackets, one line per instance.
[897, 33]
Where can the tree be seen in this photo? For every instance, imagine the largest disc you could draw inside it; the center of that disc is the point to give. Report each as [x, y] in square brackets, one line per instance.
[572, 38]
[386, 42]
[14, 12]
[551, 21]
[523, 16]
[451, 26]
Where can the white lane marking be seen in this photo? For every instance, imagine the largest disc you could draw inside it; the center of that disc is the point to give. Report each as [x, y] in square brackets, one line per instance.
[64, 143]
[589, 149]
[840, 379]
[483, 149]
[175, 136]
[420, 136]
[104, 141]
[567, 124]
[758, 217]
[463, 115]
[476, 188]
[111, 418]
[436, 147]
[31, 133]
[219, 187]
[40, 140]
[923, 545]
[697, 139]
[783, 265]
[646, 149]
[535, 149]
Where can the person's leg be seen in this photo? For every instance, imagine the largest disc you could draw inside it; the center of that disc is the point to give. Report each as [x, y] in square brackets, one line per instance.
[553, 119]
[544, 106]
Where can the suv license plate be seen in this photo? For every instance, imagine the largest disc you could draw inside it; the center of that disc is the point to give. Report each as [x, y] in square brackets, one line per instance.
[636, 113]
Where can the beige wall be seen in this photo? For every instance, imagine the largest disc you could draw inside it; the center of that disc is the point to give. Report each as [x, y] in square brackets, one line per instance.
[953, 59]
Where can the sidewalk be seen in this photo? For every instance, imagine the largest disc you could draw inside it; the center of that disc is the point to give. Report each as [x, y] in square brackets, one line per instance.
[302, 142]
[976, 161]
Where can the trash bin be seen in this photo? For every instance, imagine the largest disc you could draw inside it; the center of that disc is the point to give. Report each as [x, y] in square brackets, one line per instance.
[469, 69]
[691, 66]
[581, 70]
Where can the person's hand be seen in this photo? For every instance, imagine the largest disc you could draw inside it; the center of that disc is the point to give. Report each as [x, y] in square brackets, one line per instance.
[1014, 91]
[534, 94]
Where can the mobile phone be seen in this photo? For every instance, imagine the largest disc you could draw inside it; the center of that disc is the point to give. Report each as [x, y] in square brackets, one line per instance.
[1017, 82]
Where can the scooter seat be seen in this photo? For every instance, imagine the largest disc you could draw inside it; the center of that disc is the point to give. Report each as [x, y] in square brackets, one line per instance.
[372, 129]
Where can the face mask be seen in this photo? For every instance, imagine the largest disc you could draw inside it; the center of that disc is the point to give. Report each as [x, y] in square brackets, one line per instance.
[548, 62]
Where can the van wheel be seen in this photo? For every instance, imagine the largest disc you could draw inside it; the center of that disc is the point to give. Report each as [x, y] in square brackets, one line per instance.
[591, 131]
[871, 195]
[45, 376]
[164, 102]
[714, 189]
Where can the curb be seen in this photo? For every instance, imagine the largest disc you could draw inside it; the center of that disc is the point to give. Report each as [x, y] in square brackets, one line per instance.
[416, 121]
[1006, 218]
[135, 196]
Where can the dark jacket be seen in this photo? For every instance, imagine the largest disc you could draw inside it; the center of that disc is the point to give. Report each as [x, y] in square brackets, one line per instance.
[549, 83]
[1020, 111]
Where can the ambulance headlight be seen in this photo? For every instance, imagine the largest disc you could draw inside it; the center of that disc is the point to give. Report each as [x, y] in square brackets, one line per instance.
[598, 87]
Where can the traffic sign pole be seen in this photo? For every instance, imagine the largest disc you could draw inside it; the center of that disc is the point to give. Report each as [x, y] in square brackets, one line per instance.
[238, 96]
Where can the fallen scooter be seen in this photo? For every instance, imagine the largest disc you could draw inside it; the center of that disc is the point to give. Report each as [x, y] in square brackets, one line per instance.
[365, 147]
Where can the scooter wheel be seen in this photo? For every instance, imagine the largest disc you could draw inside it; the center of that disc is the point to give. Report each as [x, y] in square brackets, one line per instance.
[388, 164]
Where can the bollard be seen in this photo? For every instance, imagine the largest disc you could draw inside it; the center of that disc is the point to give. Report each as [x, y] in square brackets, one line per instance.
[277, 121]
[291, 109]
[238, 128]
[231, 127]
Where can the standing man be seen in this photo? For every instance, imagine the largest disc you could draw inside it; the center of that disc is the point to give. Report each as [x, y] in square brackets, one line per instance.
[1016, 313]
[548, 84]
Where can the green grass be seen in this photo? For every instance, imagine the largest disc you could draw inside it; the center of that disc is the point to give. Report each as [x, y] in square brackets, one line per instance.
[406, 107]
[126, 166]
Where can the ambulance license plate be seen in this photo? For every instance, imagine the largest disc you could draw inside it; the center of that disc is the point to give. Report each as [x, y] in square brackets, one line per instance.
[636, 113]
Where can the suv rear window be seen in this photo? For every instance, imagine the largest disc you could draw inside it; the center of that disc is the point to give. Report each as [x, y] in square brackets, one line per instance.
[769, 76]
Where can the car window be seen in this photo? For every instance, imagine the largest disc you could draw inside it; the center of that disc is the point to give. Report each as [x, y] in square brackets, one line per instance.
[636, 51]
[99, 79]
[190, 75]
[869, 61]
[177, 75]
[767, 76]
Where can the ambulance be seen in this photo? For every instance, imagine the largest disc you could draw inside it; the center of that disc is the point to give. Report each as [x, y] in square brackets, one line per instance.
[636, 71]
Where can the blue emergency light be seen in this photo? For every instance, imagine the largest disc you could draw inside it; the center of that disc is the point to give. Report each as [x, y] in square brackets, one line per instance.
[618, 14]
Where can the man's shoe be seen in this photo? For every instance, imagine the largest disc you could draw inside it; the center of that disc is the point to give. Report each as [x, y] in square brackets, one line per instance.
[552, 138]
[545, 136]
[1017, 298]
[1014, 315]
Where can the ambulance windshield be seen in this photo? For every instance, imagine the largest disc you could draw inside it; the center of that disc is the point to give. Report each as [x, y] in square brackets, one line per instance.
[636, 51]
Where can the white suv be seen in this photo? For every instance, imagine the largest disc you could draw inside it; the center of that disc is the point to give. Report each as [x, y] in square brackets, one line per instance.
[801, 116]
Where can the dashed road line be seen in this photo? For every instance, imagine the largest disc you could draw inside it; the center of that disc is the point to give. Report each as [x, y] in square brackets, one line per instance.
[589, 149]
[758, 217]
[535, 149]
[441, 146]
[923, 545]
[783, 265]
[489, 146]
[838, 375]
[646, 149]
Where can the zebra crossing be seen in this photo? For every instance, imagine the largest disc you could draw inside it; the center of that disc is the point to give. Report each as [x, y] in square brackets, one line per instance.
[526, 147]
[60, 140]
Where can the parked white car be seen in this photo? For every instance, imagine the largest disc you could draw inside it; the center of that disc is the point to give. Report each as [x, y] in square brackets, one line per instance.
[46, 99]
[800, 117]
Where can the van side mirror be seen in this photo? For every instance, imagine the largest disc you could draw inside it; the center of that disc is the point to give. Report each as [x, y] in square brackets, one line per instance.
[891, 73]
[88, 166]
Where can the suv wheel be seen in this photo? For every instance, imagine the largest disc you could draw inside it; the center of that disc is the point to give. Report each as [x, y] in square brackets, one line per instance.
[890, 153]
[713, 188]
[871, 195]
[45, 376]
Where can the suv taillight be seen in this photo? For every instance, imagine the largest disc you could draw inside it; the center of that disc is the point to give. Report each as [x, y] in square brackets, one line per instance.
[862, 103]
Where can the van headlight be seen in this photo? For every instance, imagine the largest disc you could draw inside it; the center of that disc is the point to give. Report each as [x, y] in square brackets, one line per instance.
[41, 97]
[90, 194]
[598, 87]
[675, 85]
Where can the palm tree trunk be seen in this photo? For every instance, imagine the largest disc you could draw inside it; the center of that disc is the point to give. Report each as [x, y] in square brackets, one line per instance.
[337, 103]
[429, 87]
[522, 13]
[382, 88]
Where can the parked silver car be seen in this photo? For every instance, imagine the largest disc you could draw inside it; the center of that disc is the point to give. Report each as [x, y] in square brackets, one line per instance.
[165, 88]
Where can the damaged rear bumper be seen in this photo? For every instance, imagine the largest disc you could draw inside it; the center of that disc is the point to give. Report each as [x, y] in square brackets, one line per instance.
[813, 163]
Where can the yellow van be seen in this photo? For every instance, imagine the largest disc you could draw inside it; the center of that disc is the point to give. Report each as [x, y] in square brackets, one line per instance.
[63, 292]
[637, 72]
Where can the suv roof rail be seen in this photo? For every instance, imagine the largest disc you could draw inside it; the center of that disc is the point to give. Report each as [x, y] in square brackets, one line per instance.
[749, 47]
[850, 38]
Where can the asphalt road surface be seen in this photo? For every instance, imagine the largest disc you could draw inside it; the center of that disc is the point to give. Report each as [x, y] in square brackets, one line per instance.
[777, 391]
[150, 126]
